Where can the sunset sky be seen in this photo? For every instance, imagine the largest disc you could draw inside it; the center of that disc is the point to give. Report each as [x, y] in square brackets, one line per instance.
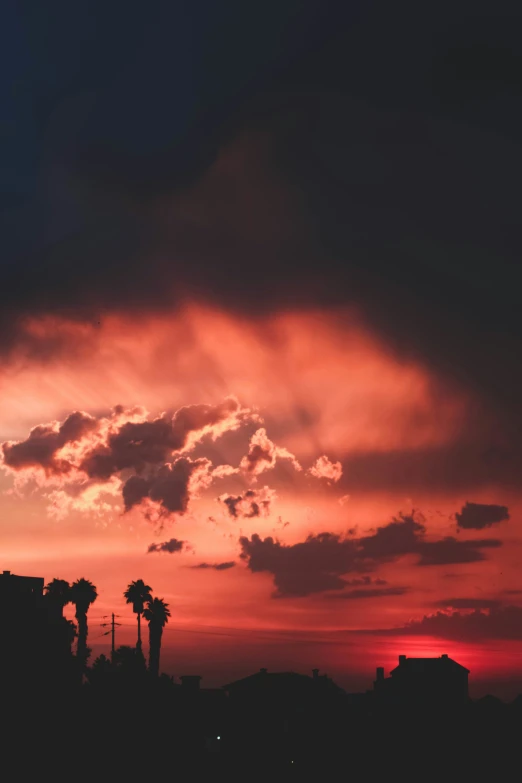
[260, 328]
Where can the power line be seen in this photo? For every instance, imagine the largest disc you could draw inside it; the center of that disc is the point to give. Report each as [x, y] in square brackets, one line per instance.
[112, 625]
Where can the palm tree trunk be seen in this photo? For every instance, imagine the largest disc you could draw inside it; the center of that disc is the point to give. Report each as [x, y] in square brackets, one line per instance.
[154, 649]
[160, 634]
[138, 645]
[81, 648]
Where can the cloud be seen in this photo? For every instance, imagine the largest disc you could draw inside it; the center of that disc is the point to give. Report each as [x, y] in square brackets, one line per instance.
[319, 563]
[171, 487]
[400, 537]
[313, 566]
[216, 566]
[497, 623]
[450, 551]
[172, 546]
[45, 442]
[323, 468]
[126, 439]
[476, 516]
[394, 255]
[82, 451]
[90, 498]
[354, 595]
[263, 454]
[468, 603]
[138, 444]
[364, 580]
[252, 503]
[462, 464]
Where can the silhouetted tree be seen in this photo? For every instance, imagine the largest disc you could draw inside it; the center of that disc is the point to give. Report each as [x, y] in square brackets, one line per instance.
[129, 662]
[59, 592]
[157, 613]
[137, 594]
[83, 594]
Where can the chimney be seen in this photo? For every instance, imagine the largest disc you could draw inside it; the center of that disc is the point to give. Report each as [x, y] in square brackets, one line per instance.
[315, 674]
[444, 656]
[190, 682]
[7, 573]
[263, 671]
[380, 673]
[402, 659]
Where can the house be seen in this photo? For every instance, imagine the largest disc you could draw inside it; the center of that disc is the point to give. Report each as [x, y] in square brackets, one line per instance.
[35, 648]
[419, 682]
[200, 713]
[283, 711]
[22, 589]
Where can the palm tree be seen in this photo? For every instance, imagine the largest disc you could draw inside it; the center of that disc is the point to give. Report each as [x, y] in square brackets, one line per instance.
[157, 614]
[83, 594]
[137, 594]
[59, 592]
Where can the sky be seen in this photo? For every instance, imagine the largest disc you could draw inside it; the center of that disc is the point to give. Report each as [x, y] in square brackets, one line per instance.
[260, 327]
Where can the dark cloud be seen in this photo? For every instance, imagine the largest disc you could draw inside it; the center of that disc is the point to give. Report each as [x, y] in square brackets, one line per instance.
[497, 623]
[216, 566]
[354, 595]
[468, 603]
[312, 566]
[252, 503]
[476, 516]
[468, 462]
[451, 551]
[169, 487]
[319, 563]
[366, 216]
[125, 443]
[134, 445]
[138, 444]
[360, 581]
[399, 537]
[41, 447]
[172, 546]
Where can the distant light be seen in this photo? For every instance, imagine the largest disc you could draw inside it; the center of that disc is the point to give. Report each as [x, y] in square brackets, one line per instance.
[218, 737]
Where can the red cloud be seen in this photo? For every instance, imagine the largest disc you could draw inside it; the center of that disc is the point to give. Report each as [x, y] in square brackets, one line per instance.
[252, 503]
[83, 452]
[138, 444]
[263, 455]
[43, 446]
[171, 486]
[319, 563]
[324, 468]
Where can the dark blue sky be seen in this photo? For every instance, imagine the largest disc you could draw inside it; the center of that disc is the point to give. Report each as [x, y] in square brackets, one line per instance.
[396, 127]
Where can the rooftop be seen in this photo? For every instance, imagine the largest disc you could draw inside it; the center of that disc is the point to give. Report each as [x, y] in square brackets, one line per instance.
[427, 664]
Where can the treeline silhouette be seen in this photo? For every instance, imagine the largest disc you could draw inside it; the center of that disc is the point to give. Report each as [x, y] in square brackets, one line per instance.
[119, 716]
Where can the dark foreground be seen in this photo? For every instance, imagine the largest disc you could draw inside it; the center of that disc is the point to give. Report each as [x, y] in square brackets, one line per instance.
[138, 733]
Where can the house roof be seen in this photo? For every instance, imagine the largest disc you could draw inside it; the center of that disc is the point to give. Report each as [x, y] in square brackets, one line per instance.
[262, 677]
[281, 681]
[421, 665]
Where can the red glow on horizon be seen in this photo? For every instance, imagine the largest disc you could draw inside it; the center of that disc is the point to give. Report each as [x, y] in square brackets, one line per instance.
[325, 386]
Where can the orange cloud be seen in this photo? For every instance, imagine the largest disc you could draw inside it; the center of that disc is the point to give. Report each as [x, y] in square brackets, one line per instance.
[263, 455]
[324, 468]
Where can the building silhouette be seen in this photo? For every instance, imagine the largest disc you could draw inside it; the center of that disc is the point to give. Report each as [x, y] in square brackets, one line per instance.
[35, 648]
[423, 682]
[283, 714]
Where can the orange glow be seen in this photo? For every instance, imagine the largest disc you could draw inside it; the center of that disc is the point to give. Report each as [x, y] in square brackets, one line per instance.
[324, 388]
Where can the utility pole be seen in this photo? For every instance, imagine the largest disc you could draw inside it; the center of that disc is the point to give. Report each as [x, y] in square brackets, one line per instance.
[112, 632]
